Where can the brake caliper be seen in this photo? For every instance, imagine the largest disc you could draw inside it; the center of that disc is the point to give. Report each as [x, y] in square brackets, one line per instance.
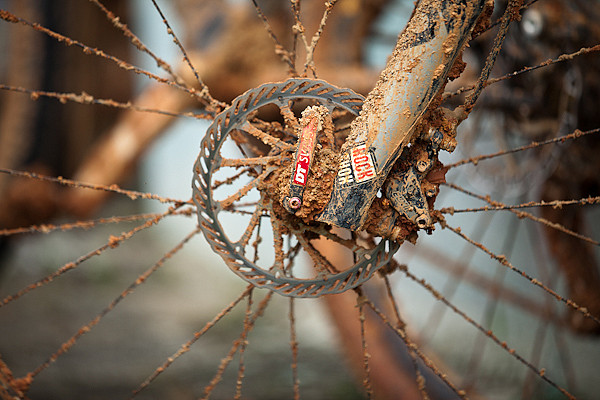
[406, 188]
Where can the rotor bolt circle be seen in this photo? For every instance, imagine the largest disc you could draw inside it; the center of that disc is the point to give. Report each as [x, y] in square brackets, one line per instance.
[294, 203]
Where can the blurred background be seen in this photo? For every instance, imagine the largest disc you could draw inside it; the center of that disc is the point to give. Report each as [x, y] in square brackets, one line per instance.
[228, 44]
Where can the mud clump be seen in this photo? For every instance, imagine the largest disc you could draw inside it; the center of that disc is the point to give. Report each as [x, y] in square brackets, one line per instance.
[319, 185]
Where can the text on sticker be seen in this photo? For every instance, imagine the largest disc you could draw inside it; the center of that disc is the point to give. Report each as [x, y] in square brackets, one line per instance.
[362, 163]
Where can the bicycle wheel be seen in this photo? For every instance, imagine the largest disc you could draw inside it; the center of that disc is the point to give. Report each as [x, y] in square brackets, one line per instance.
[106, 302]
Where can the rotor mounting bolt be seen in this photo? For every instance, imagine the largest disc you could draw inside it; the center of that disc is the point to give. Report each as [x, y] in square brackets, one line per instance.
[422, 165]
[294, 203]
[423, 221]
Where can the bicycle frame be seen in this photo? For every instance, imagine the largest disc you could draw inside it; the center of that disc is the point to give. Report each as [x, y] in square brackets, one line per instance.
[416, 72]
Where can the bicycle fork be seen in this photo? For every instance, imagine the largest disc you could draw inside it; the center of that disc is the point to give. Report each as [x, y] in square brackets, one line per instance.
[390, 119]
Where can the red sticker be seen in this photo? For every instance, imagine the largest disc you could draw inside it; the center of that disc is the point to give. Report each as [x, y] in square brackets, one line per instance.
[304, 154]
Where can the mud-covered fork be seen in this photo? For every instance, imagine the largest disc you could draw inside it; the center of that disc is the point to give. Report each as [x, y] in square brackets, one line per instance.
[391, 116]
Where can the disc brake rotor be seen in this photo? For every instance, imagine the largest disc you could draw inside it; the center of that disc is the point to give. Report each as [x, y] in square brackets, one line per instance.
[272, 148]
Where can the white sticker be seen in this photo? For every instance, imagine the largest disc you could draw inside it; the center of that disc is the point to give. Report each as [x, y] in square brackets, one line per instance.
[362, 163]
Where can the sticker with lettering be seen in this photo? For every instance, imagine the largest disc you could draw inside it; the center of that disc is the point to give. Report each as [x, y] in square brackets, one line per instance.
[304, 152]
[362, 163]
[345, 175]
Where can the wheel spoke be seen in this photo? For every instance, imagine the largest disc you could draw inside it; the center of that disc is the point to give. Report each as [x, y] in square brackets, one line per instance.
[459, 270]
[264, 137]
[294, 348]
[278, 247]
[401, 333]
[114, 241]
[87, 224]
[562, 57]
[236, 345]
[322, 265]
[228, 202]
[228, 181]
[290, 119]
[320, 230]
[254, 221]
[400, 324]
[86, 328]
[502, 260]
[489, 333]
[187, 345]
[9, 17]
[523, 214]
[365, 352]
[574, 135]
[132, 194]
[248, 162]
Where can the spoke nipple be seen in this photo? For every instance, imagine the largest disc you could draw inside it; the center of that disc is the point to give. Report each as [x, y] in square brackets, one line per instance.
[295, 203]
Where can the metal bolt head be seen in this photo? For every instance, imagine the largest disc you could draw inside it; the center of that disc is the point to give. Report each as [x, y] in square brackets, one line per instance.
[423, 220]
[294, 203]
[422, 165]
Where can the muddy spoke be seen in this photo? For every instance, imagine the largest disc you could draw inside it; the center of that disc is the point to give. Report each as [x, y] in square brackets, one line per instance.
[562, 57]
[204, 95]
[236, 345]
[85, 98]
[290, 119]
[248, 162]
[243, 344]
[88, 224]
[187, 345]
[320, 230]
[309, 64]
[575, 135]
[135, 40]
[507, 18]
[9, 17]
[400, 324]
[228, 202]
[285, 55]
[459, 270]
[492, 303]
[523, 214]
[489, 333]
[132, 194]
[503, 260]
[294, 348]
[254, 221]
[401, 333]
[86, 328]
[278, 246]
[365, 352]
[321, 263]
[228, 181]
[113, 242]
[264, 137]
[531, 204]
